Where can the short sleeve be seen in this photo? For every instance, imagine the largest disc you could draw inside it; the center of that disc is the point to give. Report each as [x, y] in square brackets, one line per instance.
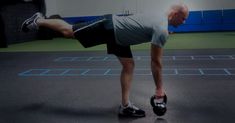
[159, 39]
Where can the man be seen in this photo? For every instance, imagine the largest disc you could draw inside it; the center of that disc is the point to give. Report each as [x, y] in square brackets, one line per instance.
[119, 32]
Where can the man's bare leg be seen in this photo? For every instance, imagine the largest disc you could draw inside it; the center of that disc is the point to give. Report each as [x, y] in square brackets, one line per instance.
[127, 108]
[126, 78]
[57, 25]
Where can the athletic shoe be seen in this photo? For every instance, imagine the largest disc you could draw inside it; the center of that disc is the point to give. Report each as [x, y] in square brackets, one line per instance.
[30, 23]
[130, 111]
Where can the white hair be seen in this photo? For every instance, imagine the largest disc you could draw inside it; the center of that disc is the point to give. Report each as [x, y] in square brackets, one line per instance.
[179, 7]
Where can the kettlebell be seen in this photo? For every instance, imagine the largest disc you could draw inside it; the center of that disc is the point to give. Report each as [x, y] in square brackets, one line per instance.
[159, 108]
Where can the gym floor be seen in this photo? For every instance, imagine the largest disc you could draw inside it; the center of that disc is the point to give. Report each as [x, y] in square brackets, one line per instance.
[83, 87]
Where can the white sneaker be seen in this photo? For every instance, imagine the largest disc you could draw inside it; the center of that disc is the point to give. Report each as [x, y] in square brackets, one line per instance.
[131, 111]
[30, 23]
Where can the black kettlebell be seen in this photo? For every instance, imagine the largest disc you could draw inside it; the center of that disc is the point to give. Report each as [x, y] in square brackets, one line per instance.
[159, 108]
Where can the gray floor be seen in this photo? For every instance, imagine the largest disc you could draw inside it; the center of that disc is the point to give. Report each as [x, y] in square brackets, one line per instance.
[83, 87]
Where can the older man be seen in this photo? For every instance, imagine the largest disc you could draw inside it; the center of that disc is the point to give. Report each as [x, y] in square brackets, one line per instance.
[119, 33]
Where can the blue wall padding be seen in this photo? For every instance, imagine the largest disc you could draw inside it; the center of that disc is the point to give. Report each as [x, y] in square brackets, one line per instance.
[229, 16]
[195, 17]
[212, 17]
[210, 20]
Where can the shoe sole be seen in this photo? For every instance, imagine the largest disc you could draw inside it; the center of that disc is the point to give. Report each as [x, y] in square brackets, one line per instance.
[136, 116]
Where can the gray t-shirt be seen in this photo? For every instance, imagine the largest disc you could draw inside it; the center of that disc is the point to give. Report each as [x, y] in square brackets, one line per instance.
[140, 28]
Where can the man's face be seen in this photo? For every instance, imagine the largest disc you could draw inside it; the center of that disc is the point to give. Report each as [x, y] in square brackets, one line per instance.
[178, 18]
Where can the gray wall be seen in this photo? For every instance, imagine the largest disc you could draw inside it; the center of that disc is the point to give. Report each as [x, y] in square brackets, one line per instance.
[51, 6]
[70, 8]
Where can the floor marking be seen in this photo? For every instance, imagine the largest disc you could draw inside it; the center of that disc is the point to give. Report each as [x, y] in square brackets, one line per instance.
[176, 71]
[85, 72]
[141, 72]
[192, 57]
[226, 70]
[105, 58]
[45, 71]
[89, 58]
[147, 58]
[201, 71]
[107, 71]
[66, 71]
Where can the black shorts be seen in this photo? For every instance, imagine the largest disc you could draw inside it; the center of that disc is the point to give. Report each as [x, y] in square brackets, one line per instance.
[100, 31]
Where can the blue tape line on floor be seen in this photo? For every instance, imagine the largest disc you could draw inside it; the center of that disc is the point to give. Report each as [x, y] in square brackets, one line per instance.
[105, 58]
[115, 72]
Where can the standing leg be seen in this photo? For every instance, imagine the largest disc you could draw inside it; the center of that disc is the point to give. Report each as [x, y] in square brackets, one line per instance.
[127, 108]
[126, 78]
[125, 57]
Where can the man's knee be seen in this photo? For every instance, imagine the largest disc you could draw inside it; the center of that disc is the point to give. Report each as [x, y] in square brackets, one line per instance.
[67, 32]
[127, 64]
